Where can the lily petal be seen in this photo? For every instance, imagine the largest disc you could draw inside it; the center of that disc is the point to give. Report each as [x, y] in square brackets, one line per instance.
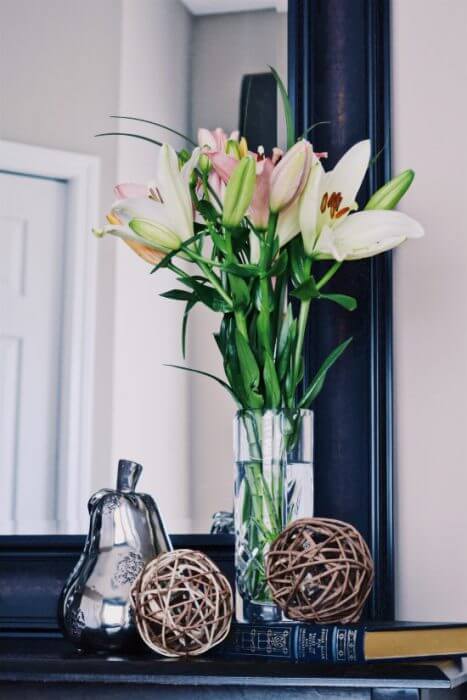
[206, 138]
[347, 176]
[223, 164]
[259, 207]
[139, 207]
[221, 139]
[288, 223]
[190, 165]
[175, 194]
[367, 233]
[148, 254]
[290, 176]
[309, 207]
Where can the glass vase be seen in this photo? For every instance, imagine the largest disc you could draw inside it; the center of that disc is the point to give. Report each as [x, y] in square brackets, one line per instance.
[273, 486]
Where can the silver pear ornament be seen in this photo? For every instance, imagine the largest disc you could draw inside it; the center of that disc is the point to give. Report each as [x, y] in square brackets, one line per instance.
[125, 532]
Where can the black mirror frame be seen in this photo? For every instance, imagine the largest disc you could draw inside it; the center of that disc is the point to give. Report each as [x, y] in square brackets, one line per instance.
[339, 70]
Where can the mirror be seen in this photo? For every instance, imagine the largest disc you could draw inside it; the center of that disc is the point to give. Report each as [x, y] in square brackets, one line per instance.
[84, 334]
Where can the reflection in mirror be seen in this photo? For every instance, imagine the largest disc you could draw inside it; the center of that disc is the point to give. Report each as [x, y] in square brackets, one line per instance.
[84, 334]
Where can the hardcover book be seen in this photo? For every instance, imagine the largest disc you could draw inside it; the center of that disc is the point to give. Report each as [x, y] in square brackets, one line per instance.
[347, 643]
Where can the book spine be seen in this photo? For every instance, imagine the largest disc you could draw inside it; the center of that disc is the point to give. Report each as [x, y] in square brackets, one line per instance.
[297, 642]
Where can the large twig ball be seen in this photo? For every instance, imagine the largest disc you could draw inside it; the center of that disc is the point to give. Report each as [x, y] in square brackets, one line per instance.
[320, 570]
[183, 604]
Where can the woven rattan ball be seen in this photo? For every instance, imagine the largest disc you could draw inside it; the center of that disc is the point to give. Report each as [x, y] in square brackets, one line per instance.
[183, 604]
[320, 570]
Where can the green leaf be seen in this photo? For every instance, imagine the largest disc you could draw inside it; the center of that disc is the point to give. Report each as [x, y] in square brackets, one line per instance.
[300, 265]
[207, 295]
[349, 303]
[217, 239]
[161, 126]
[248, 365]
[284, 358]
[307, 290]
[271, 383]
[289, 118]
[177, 294]
[284, 331]
[186, 313]
[279, 266]
[240, 292]
[317, 384]
[313, 126]
[207, 210]
[241, 270]
[207, 374]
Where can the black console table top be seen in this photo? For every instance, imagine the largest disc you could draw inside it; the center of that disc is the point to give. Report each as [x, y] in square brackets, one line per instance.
[39, 660]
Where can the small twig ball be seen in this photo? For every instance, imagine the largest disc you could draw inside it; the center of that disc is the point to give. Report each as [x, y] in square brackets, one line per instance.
[183, 604]
[320, 570]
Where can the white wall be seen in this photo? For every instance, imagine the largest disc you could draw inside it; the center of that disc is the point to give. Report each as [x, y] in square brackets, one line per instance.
[62, 73]
[59, 68]
[430, 135]
[150, 408]
[225, 48]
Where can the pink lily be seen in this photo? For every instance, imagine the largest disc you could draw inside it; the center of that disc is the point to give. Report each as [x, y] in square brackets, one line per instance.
[259, 208]
[216, 140]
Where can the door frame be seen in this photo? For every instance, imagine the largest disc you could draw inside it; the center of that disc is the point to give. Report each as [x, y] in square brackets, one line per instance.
[80, 174]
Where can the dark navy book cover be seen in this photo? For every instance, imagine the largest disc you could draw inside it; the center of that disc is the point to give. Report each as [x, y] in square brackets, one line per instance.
[296, 642]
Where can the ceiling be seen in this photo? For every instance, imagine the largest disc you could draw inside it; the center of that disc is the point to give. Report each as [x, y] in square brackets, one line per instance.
[212, 7]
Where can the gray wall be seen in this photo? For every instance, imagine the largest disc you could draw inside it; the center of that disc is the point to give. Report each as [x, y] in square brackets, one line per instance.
[59, 79]
[225, 47]
[429, 135]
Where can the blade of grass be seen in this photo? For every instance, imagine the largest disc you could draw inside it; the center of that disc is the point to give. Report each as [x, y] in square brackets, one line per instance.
[289, 118]
[162, 126]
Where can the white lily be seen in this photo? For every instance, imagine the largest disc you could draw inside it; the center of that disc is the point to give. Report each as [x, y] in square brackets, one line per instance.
[327, 229]
[365, 234]
[163, 219]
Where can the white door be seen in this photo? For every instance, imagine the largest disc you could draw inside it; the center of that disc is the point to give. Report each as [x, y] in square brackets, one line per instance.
[32, 251]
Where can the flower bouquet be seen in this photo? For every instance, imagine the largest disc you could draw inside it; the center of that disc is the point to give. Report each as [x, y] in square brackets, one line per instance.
[249, 227]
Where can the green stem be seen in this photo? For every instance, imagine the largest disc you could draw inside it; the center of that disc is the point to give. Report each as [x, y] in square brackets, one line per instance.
[240, 320]
[215, 281]
[207, 187]
[266, 286]
[302, 321]
[328, 275]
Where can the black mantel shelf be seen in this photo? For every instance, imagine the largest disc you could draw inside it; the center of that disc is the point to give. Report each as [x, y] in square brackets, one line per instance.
[54, 661]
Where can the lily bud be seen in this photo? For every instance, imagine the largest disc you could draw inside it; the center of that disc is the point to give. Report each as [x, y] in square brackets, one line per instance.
[290, 175]
[388, 196]
[233, 149]
[155, 234]
[239, 192]
[204, 164]
[243, 147]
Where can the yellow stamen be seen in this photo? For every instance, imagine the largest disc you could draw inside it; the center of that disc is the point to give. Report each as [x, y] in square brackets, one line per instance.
[113, 219]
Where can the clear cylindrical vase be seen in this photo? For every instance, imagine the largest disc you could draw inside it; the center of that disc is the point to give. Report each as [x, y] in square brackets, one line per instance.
[273, 486]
